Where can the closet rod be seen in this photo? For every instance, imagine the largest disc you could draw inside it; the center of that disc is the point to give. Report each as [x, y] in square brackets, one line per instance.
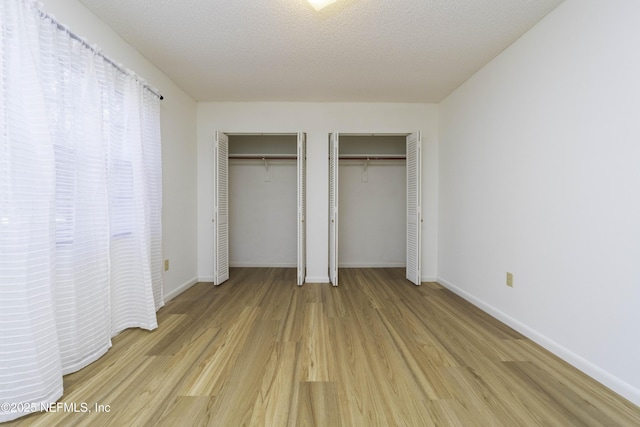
[263, 157]
[372, 157]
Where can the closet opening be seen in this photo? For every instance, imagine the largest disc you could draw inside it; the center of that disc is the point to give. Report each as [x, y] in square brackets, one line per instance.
[259, 202]
[374, 203]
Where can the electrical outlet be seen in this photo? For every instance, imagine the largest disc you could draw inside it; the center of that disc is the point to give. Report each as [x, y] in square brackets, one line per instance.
[166, 264]
[510, 280]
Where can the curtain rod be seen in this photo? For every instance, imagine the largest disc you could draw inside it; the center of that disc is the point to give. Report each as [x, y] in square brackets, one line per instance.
[86, 44]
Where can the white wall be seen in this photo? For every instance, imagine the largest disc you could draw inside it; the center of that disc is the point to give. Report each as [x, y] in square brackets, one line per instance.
[263, 214]
[178, 126]
[539, 176]
[317, 120]
[373, 214]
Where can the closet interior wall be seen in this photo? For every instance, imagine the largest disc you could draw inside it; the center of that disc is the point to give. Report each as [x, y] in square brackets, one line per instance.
[372, 201]
[262, 201]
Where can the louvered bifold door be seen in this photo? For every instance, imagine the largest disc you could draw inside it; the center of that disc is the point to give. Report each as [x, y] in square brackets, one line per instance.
[333, 208]
[302, 229]
[414, 208]
[221, 209]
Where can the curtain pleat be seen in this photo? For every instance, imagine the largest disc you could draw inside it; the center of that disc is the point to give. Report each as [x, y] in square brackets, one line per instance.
[131, 284]
[153, 179]
[30, 368]
[80, 205]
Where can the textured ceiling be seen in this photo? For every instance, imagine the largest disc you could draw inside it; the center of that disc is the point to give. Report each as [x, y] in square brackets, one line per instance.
[354, 50]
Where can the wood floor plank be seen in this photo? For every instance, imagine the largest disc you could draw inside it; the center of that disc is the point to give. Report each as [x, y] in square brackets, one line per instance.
[318, 405]
[277, 301]
[333, 302]
[188, 410]
[241, 387]
[363, 400]
[316, 351]
[423, 371]
[210, 375]
[375, 351]
[197, 313]
[276, 402]
[452, 413]
[292, 324]
[402, 399]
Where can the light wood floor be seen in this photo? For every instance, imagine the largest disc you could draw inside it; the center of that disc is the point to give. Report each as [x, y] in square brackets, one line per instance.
[376, 351]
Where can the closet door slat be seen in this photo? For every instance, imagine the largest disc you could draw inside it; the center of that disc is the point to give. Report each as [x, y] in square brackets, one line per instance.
[302, 244]
[414, 208]
[221, 208]
[333, 208]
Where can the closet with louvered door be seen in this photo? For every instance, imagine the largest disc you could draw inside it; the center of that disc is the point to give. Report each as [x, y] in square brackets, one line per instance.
[374, 198]
[266, 202]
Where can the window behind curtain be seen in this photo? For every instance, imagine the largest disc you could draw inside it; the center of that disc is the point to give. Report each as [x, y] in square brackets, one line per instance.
[80, 204]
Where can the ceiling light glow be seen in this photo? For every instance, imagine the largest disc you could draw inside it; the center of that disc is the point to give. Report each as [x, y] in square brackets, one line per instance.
[319, 4]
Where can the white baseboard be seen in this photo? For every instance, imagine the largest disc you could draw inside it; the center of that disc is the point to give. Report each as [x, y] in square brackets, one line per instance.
[400, 264]
[428, 279]
[594, 371]
[263, 265]
[180, 289]
[207, 279]
[317, 279]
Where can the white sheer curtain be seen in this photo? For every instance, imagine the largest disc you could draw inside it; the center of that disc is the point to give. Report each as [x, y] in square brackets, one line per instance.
[80, 206]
